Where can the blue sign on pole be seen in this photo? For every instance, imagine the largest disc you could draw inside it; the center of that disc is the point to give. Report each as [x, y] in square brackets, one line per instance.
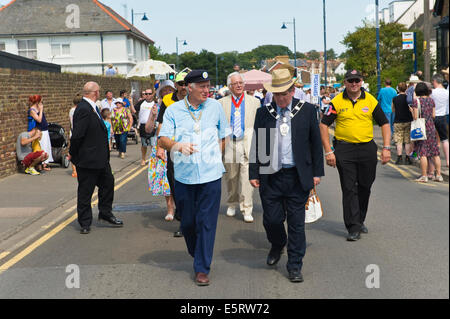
[315, 88]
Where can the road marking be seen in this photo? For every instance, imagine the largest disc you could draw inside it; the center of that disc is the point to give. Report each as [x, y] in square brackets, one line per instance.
[4, 254]
[56, 230]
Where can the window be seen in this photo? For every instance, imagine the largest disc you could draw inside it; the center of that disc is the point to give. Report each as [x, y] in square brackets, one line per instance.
[60, 46]
[130, 46]
[27, 48]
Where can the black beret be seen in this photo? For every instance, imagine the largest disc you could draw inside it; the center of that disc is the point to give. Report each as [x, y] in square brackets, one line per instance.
[196, 76]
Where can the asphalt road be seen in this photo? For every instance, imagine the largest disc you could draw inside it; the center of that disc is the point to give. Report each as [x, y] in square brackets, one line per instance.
[408, 242]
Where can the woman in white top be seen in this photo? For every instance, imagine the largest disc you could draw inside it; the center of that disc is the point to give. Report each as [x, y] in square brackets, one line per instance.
[440, 97]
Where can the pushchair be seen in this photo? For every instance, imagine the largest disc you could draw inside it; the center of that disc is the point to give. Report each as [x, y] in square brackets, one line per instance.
[132, 133]
[59, 144]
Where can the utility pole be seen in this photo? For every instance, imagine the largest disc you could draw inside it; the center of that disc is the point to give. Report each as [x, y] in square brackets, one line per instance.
[325, 42]
[377, 22]
[426, 36]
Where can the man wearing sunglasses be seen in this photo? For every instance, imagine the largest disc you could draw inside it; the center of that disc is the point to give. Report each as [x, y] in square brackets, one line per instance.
[355, 152]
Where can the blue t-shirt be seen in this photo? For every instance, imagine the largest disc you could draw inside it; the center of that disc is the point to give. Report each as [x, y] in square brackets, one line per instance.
[108, 128]
[385, 98]
[127, 102]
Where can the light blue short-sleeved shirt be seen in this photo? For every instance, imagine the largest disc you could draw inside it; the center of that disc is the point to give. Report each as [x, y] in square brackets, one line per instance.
[206, 165]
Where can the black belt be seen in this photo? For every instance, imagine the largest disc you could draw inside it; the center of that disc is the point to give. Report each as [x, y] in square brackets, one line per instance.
[348, 143]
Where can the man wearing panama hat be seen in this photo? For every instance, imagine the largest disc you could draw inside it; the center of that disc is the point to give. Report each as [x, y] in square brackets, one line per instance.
[289, 131]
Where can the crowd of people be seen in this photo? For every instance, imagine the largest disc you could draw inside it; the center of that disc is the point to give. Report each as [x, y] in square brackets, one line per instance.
[415, 99]
[255, 140]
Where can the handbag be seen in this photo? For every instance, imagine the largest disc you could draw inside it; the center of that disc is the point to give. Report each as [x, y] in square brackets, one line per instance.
[313, 208]
[418, 129]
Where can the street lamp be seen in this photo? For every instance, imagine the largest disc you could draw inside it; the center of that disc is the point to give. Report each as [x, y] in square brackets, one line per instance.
[295, 41]
[377, 22]
[325, 42]
[144, 18]
[184, 43]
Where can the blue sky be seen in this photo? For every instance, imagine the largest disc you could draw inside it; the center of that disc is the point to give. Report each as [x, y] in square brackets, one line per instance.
[242, 25]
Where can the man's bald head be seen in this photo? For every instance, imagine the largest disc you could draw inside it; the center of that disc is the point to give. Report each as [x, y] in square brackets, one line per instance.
[91, 90]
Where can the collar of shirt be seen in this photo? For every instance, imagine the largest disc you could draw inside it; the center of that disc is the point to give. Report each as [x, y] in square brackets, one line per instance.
[237, 98]
[191, 107]
[94, 106]
[289, 107]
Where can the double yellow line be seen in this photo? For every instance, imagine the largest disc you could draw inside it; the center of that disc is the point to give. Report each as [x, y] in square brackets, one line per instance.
[124, 180]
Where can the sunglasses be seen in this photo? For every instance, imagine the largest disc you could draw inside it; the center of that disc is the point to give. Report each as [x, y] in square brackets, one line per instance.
[181, 83]
[148, 93]
[354, 80]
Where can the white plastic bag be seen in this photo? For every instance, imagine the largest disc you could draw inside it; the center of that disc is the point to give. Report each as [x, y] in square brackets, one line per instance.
[313, 208]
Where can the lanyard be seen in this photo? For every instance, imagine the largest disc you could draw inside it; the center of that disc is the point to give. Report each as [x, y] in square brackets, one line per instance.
[237, 105]
[196, 120]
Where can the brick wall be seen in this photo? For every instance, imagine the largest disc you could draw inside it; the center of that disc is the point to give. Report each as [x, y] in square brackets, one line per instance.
[57, 90]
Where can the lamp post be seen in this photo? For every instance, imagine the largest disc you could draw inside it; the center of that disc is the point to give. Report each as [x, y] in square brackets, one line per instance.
[144, 18]
[184, 43]
[377, 22]
[295, 41]
[325, 42]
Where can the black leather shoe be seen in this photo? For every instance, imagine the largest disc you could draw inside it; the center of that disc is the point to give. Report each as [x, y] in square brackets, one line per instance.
[273, 257]
[295, 276]
[111, 220]
[85, 230]
[364, 229]
[353, 236]
[408, 160]
[178, 233]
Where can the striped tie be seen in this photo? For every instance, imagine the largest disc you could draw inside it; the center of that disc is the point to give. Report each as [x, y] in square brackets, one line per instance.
[237, 126]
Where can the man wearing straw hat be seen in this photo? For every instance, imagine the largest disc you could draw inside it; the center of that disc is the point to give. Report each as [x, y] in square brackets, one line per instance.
[287, 130]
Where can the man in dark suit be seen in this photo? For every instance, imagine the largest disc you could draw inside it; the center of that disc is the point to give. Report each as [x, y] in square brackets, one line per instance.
[287, 169]
[89, 151]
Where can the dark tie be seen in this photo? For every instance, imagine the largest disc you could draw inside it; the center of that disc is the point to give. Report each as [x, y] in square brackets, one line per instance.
[98, 112]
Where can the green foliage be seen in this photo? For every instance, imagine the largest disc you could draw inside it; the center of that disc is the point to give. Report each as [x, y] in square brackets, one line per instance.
[313, 55]
[396, 63]
[331, 55]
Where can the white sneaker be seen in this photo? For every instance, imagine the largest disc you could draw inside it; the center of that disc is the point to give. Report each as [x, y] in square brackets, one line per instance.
[231, 211]
[248, 218]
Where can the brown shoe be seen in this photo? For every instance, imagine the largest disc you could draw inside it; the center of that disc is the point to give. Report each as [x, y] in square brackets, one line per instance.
[201, 279]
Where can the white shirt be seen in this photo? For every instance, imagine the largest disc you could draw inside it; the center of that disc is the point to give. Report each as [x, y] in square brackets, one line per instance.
[299, 94]
[144, 112]
[94, 106]
[105, 104]
[440, 97]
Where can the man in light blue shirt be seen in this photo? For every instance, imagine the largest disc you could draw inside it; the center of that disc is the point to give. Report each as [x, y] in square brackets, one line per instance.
[385, 97]
[200, 127]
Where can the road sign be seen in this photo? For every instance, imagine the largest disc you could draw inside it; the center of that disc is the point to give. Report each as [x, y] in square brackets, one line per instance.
[408, 40]
[315, 87]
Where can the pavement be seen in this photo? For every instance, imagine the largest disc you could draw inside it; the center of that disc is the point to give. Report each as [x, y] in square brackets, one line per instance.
[26, 200]
[379, 140]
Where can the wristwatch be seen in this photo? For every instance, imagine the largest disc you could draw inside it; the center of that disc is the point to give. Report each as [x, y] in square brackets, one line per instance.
[387, 148]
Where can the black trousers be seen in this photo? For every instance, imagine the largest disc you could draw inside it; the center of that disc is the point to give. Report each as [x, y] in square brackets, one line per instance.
[283, 197]
[356, 164]
[171, 180]
[87, 180]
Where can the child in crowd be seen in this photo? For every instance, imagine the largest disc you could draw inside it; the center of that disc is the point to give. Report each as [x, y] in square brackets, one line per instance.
[106, 115]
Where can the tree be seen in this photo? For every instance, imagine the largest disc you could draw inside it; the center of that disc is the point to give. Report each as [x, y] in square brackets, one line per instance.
[155, 52]
[331, 55]
[313, 55]
[395, 62]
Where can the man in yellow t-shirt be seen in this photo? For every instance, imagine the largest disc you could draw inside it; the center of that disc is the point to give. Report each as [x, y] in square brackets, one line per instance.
[355, 152]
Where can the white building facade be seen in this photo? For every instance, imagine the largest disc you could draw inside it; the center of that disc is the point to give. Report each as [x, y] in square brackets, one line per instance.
[108, 39]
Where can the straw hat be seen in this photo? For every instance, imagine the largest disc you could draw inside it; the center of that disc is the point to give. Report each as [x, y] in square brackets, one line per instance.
[281, 81]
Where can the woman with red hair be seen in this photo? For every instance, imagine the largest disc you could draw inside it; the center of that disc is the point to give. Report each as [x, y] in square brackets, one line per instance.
[36, 119]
